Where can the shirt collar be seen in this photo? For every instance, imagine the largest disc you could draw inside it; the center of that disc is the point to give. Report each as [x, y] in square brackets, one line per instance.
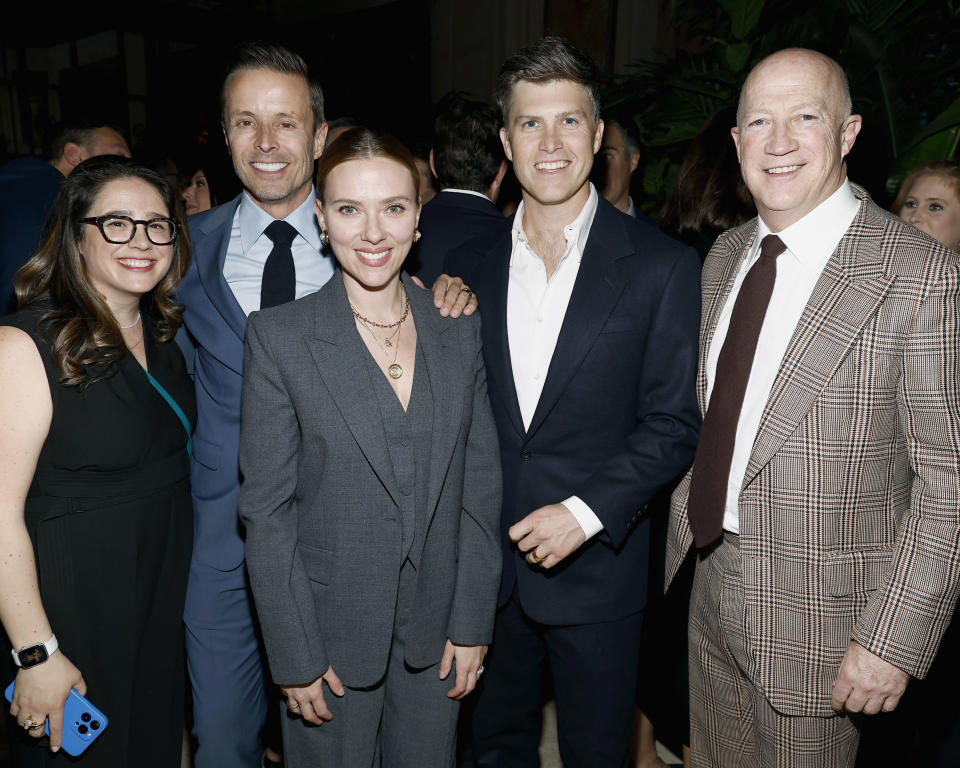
[815, 236]
[253, 220]
[577, 231]
[464, 192]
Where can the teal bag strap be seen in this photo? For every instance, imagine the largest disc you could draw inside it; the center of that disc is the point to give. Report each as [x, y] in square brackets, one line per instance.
[176, 409]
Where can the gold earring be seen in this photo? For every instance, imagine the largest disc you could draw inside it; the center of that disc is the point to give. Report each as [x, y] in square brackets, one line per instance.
[324, 237]
[416, 235]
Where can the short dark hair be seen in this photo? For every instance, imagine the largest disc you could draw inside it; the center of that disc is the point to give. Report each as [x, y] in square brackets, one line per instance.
[60, 134]
[467, 151]
[360, 143]
[275, 58]
[628, 130]
[550, 58]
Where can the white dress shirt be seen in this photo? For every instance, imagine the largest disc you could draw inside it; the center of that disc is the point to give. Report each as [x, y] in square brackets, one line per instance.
[810, 243]
[466, 192]
[536, 306]
[249, 248]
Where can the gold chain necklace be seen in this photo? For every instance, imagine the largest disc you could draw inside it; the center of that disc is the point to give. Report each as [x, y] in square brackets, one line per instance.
[395, 370]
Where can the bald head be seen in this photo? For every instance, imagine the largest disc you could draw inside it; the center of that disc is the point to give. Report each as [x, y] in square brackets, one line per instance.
[794, 131]
[832, 74]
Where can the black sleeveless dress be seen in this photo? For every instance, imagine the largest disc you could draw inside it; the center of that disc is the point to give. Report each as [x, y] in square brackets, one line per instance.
[110, 518]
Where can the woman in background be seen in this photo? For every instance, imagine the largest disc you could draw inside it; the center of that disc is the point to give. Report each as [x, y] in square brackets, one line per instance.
[930, 200]
[95, 514]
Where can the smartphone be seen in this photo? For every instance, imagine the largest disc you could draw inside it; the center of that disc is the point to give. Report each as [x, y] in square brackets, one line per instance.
[82, 722]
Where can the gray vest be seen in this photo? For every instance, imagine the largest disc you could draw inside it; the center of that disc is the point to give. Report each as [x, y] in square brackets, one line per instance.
[409, 436]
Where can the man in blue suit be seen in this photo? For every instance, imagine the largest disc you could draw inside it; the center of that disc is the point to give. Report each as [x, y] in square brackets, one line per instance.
[467, 159]
[262, 248]
[590, 341]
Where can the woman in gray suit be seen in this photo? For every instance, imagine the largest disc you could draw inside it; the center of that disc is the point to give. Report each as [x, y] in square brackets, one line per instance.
[371, 493]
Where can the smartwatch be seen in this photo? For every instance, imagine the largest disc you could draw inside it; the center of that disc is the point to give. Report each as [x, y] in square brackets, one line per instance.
[32, 655]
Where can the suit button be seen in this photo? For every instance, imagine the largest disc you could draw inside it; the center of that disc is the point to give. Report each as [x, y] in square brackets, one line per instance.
[525, 454]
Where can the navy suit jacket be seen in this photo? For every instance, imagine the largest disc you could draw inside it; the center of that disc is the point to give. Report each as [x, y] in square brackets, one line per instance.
[618, 416]
[447, 222]
[216, 324]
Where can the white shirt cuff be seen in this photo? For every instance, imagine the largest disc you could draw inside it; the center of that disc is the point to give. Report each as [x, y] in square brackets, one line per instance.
[588, 521]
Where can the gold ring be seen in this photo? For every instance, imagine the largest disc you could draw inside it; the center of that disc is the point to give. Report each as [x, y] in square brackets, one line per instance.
[537, 559]
[465, 290]
[293, 707]
[31, 725]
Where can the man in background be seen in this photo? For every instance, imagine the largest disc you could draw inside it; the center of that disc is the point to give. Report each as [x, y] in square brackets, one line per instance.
[29, 185]
[467, 159]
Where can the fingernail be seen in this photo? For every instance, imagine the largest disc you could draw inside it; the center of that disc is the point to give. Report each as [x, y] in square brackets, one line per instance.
[54, 749]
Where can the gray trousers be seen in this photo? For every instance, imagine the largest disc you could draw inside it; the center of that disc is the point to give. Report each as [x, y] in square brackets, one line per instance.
[732, 725]
[404, 721]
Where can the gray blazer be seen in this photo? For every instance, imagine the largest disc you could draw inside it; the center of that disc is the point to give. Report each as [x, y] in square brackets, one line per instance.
[319, 494]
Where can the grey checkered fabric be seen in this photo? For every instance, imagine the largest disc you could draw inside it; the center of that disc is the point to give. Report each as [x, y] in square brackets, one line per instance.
[850, 505]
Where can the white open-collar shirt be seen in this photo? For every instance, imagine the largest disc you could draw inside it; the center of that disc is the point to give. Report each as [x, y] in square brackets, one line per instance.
[536, 306]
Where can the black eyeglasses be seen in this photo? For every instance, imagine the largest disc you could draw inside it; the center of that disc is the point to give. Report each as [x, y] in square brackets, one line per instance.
[122, 229]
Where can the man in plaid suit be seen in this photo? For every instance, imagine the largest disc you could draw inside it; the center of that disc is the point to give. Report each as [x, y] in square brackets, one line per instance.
[824, 498]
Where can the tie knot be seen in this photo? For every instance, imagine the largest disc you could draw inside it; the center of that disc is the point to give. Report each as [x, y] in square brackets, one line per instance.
[281, 233]
[771, 246]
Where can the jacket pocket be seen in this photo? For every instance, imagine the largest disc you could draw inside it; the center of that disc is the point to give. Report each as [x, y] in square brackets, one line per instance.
[847, 573]
[206, 453]
[318, 563]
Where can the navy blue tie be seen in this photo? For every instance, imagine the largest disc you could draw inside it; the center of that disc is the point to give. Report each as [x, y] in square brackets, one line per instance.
[279, 284]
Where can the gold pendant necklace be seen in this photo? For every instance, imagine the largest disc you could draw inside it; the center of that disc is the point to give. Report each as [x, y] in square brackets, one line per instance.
[394, 370]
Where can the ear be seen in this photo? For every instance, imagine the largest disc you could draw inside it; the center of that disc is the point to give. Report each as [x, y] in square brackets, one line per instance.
[634, 161]
[735, 133]
[848, 133]
[598, 137]
[320, 140]
[494, 191]
[226, 138]
[433, 168]
[318, 208]
[505, 140]
[73, 153]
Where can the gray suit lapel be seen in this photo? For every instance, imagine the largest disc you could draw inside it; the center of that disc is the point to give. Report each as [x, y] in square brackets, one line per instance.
[340, 357]
[444, 363]
[848, 293]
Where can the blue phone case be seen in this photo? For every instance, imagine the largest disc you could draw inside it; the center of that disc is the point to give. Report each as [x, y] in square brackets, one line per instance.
[82, 722]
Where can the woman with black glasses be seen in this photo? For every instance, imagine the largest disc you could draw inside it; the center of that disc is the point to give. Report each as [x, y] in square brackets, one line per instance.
[95, 514]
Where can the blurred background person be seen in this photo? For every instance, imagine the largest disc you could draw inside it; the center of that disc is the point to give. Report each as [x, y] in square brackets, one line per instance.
[371, 493]
[337, 126]
[468, 162]
[930, 200]
[420, 148]
[620, 159]
[206, 178]
[709, 195]
[29, 185]
[95, 516]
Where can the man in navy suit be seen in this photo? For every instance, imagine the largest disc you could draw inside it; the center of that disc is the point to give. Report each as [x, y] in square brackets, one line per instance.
[273, 122]
[590, 340]
[467, 159]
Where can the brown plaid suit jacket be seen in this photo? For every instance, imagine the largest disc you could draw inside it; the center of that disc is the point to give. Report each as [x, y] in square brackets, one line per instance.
[850, 505]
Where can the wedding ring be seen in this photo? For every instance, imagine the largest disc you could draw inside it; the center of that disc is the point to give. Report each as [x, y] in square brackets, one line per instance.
[293, 707]
[465, 290]
[479, 670]
[537, 559]
[31, 725]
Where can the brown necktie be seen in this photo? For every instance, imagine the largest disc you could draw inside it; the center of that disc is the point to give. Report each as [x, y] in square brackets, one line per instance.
[711, 464]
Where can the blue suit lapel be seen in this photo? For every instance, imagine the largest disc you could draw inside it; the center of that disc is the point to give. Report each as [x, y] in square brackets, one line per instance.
[595, 293]
[210, 252]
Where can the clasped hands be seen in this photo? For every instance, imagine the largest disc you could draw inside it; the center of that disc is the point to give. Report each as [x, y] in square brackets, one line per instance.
[547, 535]
[307, 700]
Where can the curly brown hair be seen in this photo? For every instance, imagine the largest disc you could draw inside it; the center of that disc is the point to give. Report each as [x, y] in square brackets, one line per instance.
[78, 323]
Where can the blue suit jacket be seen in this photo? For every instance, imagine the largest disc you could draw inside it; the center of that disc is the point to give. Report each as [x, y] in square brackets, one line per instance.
[216, 324]
[618, 416]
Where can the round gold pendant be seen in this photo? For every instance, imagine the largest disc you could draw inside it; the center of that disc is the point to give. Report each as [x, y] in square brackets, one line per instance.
[395, 371]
